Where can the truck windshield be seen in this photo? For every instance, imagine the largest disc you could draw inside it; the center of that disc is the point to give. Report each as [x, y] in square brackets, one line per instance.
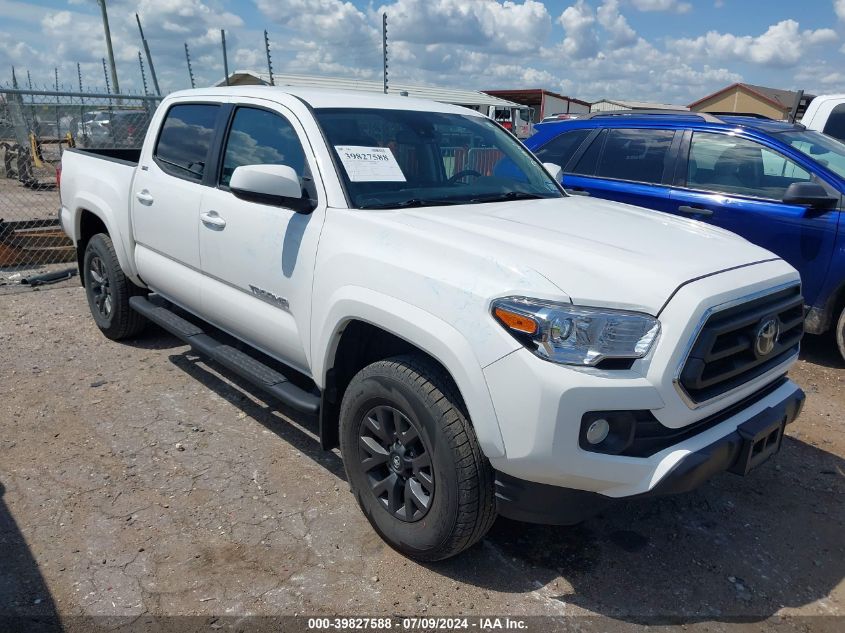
[403, 158]
[820, 147]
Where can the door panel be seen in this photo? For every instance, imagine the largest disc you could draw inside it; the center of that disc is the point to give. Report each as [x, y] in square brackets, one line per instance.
[258, 258]
[722, 168]
[165, 201]
[639, 194]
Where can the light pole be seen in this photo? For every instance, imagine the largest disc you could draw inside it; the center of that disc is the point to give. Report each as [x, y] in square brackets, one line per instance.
[106, 28]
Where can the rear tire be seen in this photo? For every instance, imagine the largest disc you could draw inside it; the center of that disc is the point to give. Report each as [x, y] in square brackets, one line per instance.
[412, 459]
[108, 290]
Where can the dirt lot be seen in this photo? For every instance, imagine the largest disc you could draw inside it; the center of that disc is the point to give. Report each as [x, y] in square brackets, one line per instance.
[137, 481]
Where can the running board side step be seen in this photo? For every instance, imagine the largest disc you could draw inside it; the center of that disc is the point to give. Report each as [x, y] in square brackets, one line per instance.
[245, 366]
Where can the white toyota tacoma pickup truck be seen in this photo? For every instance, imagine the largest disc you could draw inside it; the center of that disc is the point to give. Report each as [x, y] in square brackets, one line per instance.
[474, 340]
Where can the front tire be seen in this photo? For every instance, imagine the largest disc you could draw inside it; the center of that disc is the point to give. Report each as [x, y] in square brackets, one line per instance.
[412, 459]
[840, 334]
[108, 290]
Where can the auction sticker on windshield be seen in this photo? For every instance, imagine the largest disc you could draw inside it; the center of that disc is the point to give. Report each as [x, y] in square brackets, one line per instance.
[369, 164]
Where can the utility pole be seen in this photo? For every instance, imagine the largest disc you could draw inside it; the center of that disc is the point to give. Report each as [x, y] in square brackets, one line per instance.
[269, 63]
[384, 47]
[149, 57]
[225, 60]
[190, 70]
[106, 28]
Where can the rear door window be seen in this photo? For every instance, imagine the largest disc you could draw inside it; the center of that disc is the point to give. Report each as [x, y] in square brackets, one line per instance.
[561, 148]
[185, 139]
[589, 161]
[734, 165]
[636, 155]
[835, 125]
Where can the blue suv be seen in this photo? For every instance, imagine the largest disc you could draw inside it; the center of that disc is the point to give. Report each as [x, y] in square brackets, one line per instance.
[777, 184]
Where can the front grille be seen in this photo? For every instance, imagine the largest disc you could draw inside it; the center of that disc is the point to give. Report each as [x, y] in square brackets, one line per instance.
[723, 356]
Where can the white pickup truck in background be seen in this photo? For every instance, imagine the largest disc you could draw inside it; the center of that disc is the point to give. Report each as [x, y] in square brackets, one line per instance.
[476, 341]
[826, 113]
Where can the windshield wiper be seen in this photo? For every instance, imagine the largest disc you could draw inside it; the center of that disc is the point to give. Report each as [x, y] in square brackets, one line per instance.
[510, 195]
[413, 202]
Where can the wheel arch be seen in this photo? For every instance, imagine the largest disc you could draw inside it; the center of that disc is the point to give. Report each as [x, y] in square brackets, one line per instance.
[369, 327]
[821, 319]
[88, 225]
[92, 217]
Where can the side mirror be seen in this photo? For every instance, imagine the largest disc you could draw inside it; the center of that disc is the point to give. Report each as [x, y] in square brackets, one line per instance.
[809, 194]
[556, 171]
[270, 184]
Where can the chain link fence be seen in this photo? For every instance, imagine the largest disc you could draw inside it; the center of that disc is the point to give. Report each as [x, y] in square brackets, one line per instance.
[36, 127]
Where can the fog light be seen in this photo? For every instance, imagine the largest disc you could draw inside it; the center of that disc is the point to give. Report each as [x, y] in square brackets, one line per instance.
[597, 431]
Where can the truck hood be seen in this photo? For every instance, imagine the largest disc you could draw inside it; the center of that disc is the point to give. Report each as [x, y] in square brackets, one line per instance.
[597, 252]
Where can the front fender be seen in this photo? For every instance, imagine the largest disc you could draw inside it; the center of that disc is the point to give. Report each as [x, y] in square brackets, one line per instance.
[423, 330]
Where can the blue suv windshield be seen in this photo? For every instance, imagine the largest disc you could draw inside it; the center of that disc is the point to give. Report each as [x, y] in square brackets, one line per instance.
[823, 149]
[402, 158]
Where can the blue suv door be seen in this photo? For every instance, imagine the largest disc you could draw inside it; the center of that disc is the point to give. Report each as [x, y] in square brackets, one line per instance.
[632, 165]
[739, 184]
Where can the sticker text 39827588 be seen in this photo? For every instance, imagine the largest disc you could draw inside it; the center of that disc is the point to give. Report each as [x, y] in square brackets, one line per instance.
[369, 164]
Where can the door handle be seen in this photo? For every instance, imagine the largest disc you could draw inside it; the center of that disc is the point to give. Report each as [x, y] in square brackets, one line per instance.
[144, 197]
[212, 220]
[694, 210]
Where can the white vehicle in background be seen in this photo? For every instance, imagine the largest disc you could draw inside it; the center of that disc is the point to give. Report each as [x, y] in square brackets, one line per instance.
[476, 341]
[826, 114]
[518, 120]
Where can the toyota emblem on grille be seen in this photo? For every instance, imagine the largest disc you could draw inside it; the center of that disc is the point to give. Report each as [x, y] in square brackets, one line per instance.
[766, 337]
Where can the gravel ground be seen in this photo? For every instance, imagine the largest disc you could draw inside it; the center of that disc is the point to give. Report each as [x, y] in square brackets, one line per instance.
[136, 480]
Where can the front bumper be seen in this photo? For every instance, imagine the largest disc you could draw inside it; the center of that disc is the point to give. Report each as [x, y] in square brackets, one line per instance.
[740, 451]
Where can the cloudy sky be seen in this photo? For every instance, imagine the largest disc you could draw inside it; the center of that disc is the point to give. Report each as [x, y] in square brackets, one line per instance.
[663, 50]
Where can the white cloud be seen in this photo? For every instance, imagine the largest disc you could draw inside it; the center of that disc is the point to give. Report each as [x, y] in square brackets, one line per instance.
[648, 73]
[61, 38]
[514, 27]
[616, 24]
[839, 8]
[578, 22]
[590, 50]
[662, 5]
[326, 36]
[783, 44]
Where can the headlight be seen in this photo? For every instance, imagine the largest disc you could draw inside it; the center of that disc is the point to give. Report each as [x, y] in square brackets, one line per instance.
[575, 335]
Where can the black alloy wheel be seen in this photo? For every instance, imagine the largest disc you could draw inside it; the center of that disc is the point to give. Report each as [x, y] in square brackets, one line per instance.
[101, 295]
[397, 462]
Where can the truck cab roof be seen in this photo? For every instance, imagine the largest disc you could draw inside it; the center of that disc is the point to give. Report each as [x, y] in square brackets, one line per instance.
[326, 98]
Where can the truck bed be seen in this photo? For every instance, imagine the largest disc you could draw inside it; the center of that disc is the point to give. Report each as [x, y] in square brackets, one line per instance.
[100, 181]
[129, 156]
